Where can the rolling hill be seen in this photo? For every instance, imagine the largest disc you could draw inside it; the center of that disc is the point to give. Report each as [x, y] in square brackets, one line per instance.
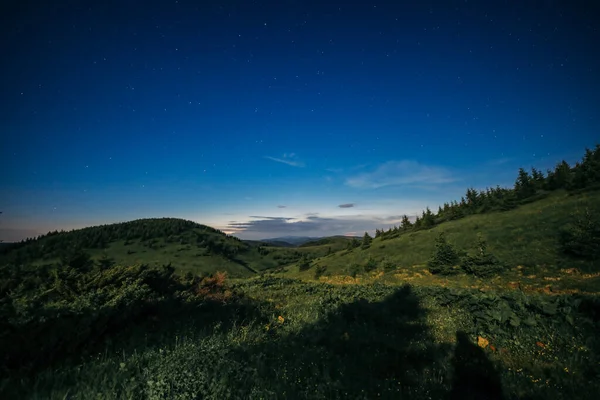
[524, 240]
[186, 245]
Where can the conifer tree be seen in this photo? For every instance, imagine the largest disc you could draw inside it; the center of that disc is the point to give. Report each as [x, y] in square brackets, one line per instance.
[537, 177]
[427, 219]
[405, 223]
[366, 241]
[524, 185]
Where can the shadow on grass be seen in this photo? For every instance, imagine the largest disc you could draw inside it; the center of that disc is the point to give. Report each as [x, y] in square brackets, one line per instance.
[369, 350]
[360, 350]
[474, 374]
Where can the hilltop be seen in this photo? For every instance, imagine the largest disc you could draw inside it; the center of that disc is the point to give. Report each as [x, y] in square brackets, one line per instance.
[186, 245]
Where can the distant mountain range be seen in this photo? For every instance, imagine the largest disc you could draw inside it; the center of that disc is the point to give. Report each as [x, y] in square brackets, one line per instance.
[294, 241]
[290, 240]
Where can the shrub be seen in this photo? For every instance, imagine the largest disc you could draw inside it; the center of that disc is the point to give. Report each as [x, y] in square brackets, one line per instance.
[370, 265]
[482, 264]
[445, 258]
[388, 265]
[320, 270]
[354, 270]
[581, 238]
[39, 305]
[304, 264]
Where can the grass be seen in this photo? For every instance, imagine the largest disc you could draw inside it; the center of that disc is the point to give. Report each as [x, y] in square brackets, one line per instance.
[196, 259]
[526, 236]
[294, 339]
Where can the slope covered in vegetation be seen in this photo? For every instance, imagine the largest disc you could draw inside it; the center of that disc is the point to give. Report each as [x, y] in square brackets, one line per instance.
[524, 241]
[544, 226]
[186, 245]
[144, 333]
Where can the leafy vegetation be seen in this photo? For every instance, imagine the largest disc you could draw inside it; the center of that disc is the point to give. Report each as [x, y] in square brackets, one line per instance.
[581, 238]
[272, 337]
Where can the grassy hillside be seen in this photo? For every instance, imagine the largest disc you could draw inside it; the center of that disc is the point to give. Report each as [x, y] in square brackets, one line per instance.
[525, 240]
[187, 246]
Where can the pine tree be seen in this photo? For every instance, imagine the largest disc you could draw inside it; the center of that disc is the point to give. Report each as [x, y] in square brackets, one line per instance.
[427, 219]
[524, 185]
[471, 198]
[405, 223]
[417, 223]
[537, 177]
[366, 241]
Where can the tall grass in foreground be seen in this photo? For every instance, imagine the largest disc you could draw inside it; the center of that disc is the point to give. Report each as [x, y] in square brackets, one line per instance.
[281, 338]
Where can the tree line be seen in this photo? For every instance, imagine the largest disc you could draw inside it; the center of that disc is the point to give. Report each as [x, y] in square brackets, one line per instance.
[528, 187]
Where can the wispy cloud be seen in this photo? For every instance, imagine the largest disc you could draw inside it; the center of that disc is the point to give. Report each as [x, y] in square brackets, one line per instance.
[259, 227]
[309, 226]
[280, 206]
[347, 205]
[499, 161]
[287, 158]
[260, 217]
[347, 169]
[395, 173]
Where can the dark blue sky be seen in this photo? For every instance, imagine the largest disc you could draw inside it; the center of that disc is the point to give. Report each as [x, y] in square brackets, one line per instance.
[264, 117]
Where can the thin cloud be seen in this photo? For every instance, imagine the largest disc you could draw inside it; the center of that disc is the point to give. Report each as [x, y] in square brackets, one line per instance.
[288, 158]
[281, 206]
[399, 173]
[500, 161]
[347, 205]
[312, 225]
[272, 218]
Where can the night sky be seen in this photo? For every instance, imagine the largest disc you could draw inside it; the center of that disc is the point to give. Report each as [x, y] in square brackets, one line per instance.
[271, 118]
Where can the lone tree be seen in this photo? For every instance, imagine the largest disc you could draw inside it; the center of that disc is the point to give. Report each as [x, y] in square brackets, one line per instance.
[366, 241]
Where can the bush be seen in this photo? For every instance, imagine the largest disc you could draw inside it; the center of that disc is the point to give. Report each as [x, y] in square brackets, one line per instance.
[40, 305]
[481, 267]
[370, 265]
[354, 270]
[445, 257]
[483, 264]
[304, 264]
[388, 265]
[581, 238]
[320, 270]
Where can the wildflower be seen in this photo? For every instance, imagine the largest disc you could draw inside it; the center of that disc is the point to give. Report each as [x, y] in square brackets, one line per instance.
[482, 342]
[280, 319]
